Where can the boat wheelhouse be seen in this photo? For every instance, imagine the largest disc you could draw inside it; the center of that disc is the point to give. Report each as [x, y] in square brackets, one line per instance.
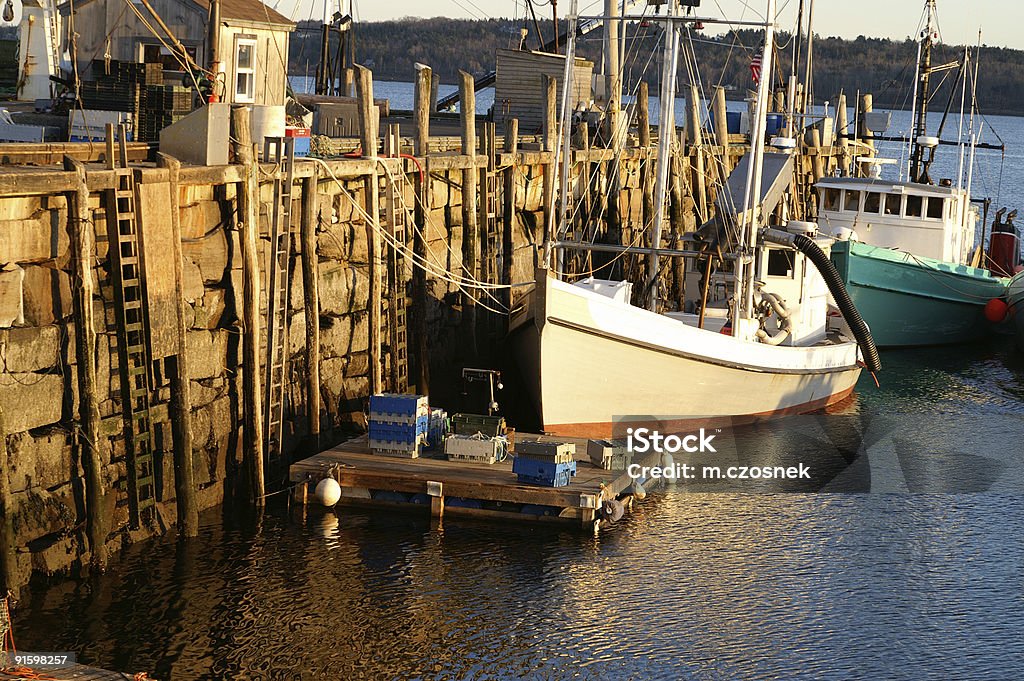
[928, 221]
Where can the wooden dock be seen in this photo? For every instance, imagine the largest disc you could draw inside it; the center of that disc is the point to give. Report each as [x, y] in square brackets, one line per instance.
[458, 488]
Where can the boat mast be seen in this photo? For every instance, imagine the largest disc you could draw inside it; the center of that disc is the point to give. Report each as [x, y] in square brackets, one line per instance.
[750, 218]
[666, 136]
[918, 169]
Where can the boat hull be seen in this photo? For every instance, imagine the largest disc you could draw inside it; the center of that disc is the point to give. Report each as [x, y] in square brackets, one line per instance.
[596, 367]
[912, 301]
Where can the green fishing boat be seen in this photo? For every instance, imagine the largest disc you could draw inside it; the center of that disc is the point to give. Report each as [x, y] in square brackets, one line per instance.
[910, 300]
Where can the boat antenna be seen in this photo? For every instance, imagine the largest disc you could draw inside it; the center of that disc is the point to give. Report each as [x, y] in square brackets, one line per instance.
[918, 168]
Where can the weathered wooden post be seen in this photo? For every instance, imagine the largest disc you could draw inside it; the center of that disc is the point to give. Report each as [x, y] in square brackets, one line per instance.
[646, 172]
[368, 121]
[311, 301]
[83, 248]
[181, 388]
[864, 132]
[423, 104]
[8, 558]
[550, 134]
[694, 146]
[509, 207]
[722, 130]
[252, 402]
[470, 179]
[842, 130]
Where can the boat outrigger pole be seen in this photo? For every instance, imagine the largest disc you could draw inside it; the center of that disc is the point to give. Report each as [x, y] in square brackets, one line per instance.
[918, 169]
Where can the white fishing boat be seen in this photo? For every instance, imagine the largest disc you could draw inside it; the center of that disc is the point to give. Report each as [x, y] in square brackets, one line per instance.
[761, 342]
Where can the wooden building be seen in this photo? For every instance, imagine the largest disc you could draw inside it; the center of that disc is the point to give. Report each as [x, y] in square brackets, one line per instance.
[518, 91]
[253, 40]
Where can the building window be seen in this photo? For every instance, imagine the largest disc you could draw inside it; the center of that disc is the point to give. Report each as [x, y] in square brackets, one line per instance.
[245, 70]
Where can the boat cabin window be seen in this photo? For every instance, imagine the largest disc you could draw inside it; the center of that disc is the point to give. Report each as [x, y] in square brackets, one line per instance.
[935, 207]
[852, 201]
[915, 206]
[872, 202]
[780, 262]
[891, 204]
[830, 199]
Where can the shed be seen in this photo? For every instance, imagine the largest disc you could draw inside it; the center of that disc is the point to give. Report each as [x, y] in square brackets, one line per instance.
[253, 41]
[519, 85]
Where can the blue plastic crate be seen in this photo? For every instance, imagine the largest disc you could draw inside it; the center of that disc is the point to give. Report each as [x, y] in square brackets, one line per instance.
[544, 473]
[398, 404]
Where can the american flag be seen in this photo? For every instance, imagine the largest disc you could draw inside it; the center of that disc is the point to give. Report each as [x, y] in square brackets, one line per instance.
[755, 68]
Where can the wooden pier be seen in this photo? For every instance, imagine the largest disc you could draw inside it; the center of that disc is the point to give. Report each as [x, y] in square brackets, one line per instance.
[461, 489]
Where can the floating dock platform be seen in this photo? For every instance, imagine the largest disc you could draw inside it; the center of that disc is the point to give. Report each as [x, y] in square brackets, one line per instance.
[464, 489]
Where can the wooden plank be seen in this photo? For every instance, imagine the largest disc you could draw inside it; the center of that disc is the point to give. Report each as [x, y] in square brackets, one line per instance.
[34, 182]
[51, 153]
[181, 386]
[455, 162]
[153, 203]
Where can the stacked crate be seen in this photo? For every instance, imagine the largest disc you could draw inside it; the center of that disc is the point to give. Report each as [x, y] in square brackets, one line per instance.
[160, 106]
[437, 428]
[611, 455]
[477, 448]
[471, 424]
[549, 464]
[398, 424]
[138, 89]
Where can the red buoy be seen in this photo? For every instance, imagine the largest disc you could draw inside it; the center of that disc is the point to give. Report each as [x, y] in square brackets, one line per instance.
[995, 310]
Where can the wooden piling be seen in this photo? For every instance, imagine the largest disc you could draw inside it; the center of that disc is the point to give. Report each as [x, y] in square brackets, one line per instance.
[470, 237]
[181, 388]
[8, 557]
[368, 122]
[842, 130]
[83, 249]
[722, 130]
[863, 131]
[509, 208]
[550, 134]
[252, 402]
[647, 169]
[311, 301]
[423, 104]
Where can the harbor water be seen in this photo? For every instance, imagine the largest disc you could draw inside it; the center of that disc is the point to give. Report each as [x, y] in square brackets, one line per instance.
[690, 586]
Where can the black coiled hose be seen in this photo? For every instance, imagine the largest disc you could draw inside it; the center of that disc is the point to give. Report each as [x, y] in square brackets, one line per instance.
[835, 284]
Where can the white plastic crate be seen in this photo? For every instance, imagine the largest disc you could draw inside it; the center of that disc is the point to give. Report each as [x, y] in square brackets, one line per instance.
[474, 448]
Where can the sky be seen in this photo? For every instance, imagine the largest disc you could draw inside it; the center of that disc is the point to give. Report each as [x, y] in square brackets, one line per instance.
[1001, 21]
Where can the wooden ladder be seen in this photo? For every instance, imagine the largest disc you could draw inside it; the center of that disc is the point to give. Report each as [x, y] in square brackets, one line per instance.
[396, 220]
[132, 337]
[281, 151]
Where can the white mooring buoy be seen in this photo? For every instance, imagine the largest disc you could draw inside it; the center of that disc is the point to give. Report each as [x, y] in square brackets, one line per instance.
[328, 492]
